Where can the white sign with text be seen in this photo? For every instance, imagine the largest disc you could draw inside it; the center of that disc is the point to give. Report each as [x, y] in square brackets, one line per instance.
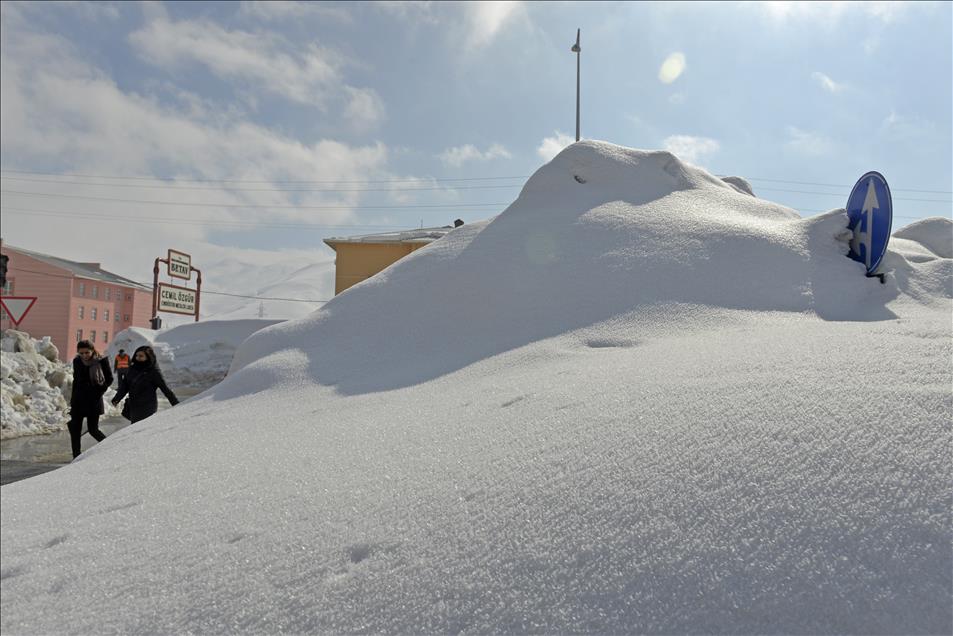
[180, 265]
[177, 300]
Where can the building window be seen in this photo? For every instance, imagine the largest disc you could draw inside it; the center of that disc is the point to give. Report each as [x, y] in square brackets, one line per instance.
[82, 289]
[116, 315]
[105, 337]
[92, 313]
[126, 317]
[82, 311]
[106, 315]
[92, 336]
[129, 297]
[79, 335]
[107, 292]
[95, 291]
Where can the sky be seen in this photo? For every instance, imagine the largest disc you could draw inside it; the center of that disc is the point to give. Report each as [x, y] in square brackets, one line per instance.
[545, 423]
[249, 131]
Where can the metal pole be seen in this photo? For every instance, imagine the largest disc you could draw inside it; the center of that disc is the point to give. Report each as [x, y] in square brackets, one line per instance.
[155, 289]
[198, 293]
[577, 50]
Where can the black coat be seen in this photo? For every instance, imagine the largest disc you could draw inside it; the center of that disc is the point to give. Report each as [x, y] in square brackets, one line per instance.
[87, 399]
[140, 384]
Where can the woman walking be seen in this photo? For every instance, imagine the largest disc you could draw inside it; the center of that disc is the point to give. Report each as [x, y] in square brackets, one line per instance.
[91, 378]
[140, 384]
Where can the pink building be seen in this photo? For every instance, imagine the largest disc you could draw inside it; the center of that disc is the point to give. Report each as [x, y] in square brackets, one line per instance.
[75, 301]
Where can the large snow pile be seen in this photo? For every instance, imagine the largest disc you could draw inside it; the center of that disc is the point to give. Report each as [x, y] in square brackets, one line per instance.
[36, 386]
[640, 400]
[194, 355]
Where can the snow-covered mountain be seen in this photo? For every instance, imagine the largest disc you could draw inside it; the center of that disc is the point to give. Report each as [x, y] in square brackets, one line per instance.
[250, 287]
[640, 400]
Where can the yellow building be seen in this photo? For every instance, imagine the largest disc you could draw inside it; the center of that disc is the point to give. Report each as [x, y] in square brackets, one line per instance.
[360, 257]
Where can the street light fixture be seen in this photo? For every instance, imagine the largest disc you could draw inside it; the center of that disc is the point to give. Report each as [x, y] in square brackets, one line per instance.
[577, 49]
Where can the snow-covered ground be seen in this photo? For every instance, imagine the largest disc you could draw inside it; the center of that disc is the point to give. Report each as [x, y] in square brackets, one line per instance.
[640, 400]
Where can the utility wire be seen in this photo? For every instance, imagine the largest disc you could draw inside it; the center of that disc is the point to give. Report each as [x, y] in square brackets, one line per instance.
[833, 185]
[199, 222]
[174, 180]
[251, 224]
[331, 181]
[255, 205]
[204, 291]
[356, 207]
[838, 194]
[171, 187]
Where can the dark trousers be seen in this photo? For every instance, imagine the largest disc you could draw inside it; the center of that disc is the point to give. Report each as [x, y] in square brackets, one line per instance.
[76, 431]
[120, 375]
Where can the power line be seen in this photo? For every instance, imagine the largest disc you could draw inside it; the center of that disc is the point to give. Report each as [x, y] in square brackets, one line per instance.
[204, 291]
[253, 224]
[256, 205]
[182, 221]
[211, 189]
[176, 179]
[396, 180]
[838, 194]
[833, 185]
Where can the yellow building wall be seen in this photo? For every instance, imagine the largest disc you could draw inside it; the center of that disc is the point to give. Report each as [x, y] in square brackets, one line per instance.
[356, 262]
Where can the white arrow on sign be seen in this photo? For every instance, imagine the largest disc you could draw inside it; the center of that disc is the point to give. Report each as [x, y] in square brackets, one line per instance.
[17, 306]
[865, 238]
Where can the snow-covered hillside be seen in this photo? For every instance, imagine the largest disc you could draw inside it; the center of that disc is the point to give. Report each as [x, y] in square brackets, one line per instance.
[260, 287]
[640, 400]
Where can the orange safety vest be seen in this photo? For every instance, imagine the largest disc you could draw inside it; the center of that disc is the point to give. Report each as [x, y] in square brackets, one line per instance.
[122, 361]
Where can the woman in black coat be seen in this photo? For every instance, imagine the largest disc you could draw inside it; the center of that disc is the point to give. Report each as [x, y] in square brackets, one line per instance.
[140, 383]
[91, 378]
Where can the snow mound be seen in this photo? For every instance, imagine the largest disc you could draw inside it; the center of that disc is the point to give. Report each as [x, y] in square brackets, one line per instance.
[195, 355]
[637, 401]
[934, 233]
[598, 232]
[36, 386]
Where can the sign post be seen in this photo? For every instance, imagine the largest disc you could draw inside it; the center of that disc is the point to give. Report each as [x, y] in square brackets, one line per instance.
[870, 209]
[174, 298]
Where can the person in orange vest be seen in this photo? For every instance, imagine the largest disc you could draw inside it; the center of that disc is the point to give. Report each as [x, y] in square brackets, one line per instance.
[121, 365]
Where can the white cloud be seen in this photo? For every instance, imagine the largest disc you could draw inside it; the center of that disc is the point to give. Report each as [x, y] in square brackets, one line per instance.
[552, 146]
[310, 75]
[689, 148]
[460, 155]
[676, 99]
[902, 128]
[486, 19]
[827, 83]
[672, 68]
[416, 11]
[58, 112]
[280, 10]
[808, 143]
[831, 12]
[262, 58]
[365, 109]
[474, 25]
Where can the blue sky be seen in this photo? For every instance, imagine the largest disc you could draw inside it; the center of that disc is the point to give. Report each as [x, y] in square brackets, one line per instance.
[434, 111]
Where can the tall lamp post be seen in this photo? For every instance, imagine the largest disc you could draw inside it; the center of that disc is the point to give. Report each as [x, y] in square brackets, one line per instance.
[577, 49]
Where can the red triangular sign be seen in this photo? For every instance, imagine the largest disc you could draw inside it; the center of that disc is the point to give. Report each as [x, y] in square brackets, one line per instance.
[17, 306]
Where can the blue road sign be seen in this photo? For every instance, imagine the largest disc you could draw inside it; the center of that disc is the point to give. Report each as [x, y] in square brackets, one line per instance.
[870, 209]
